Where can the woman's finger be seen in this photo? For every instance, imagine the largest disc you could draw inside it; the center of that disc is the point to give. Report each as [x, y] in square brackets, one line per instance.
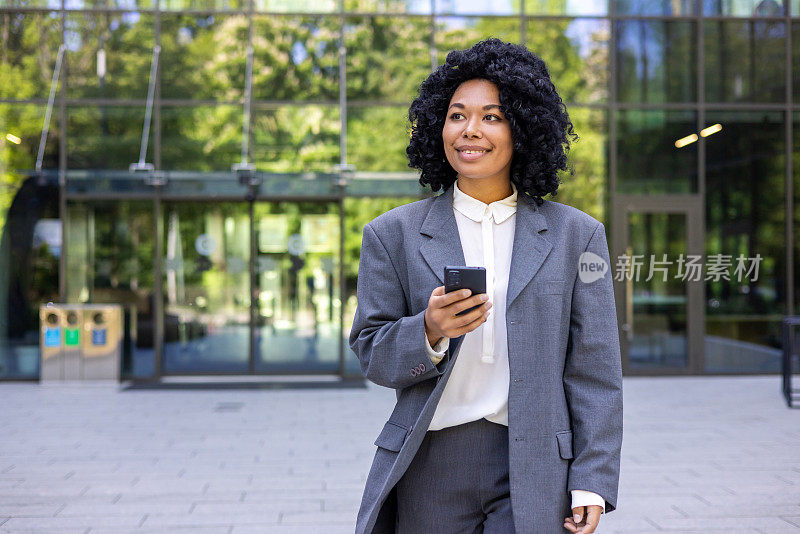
[467, 318]
[446, 299]
[465, 304]
[472, 325]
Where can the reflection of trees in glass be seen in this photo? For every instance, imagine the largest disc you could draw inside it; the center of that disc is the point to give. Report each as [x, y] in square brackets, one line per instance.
[744, 209]
[109, 54]
[295, 58]
[745, 61]
[104, 137]
[296, 138]
[377, 138]
[656, 61]
[648, 161]
[387, 57]
[203, 56]
[201, 138]
[28, 48]
[586, 189]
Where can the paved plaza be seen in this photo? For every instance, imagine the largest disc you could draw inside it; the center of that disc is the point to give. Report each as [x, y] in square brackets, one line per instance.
[700, 454]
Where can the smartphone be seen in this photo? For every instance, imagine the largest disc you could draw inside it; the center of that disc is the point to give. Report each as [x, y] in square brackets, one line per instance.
[463, 277]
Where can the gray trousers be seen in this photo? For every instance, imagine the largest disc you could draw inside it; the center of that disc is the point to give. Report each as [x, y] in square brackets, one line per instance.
[457, 482]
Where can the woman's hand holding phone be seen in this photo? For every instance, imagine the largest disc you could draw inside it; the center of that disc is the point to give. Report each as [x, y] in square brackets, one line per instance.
[440, 317]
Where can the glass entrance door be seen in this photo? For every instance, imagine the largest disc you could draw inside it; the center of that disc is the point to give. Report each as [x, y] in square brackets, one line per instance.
[297, 287]
[658, 273]
[206, 287]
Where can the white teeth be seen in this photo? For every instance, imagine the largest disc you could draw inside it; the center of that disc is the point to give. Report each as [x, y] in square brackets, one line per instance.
[473, 151]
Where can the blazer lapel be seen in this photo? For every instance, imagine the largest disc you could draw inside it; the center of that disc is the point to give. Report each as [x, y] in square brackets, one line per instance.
[530, 247]
[445, 246]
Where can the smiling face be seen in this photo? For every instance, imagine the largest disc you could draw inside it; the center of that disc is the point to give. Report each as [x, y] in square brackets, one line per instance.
[477, 136]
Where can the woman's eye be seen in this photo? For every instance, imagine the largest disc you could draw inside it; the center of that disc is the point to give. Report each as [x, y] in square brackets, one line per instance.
[491, 117]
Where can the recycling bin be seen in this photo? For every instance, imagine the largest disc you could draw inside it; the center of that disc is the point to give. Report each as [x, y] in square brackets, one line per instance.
[102, 342]
[80, 341]
[50, 343]
[72, 320]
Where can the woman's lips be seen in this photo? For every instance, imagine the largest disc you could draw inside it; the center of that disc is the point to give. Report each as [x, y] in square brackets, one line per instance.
[471, 155]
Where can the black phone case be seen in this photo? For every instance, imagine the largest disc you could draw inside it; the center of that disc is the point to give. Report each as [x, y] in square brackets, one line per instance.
[463, 277]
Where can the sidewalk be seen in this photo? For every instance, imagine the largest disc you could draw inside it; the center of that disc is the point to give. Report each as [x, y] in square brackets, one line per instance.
[700, 454]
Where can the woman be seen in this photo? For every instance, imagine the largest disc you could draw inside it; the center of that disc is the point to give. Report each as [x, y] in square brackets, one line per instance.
[508, 418]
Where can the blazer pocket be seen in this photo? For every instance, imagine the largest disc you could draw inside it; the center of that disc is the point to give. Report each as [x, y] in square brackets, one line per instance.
[565, 444]
[392, 437]
[550, 287]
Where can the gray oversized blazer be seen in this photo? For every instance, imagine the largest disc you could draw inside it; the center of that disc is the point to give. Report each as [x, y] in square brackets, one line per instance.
[565, 388]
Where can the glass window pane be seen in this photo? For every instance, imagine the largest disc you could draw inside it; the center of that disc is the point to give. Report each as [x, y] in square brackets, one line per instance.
[202, 138]
[203, 56]
[377, 138]
[20, 134]
[477, 7]
[297, 6]
[131, 5]
[387, 57]
[745, 216]
[215, 5]
[296, 138]
[109, 54]
[295, 58]
[576, 54]
[566, 7]
[458, 33]
[656, 151]
[744, 8]
[656, 61]
[796, 61]
[657, 7]
[30, 248]
[105, 137]
[29, 42]
[419, 7]
[586, 189]
[745, 61]
[796, 191]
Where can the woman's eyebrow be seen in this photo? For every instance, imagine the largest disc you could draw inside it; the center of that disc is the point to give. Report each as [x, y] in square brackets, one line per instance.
[462, 106]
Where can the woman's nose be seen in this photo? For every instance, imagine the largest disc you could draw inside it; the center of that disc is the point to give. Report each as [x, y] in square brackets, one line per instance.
[470, 131]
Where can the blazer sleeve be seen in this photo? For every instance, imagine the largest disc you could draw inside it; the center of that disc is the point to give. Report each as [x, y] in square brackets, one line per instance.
[389, 343]
[593, 382]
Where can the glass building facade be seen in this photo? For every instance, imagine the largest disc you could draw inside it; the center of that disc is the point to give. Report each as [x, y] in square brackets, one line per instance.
[687, 113]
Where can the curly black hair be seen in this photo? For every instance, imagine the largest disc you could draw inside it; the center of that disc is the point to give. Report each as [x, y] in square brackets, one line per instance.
[540, 126]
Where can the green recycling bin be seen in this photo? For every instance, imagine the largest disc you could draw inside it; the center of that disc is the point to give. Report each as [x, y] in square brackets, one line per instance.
[72, 320]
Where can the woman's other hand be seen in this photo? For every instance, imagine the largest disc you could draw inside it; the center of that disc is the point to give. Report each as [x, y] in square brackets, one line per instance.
[440, 317]
[589, 517]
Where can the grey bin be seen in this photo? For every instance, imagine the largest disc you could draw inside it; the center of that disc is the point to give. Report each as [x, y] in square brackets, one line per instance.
[102, 341]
